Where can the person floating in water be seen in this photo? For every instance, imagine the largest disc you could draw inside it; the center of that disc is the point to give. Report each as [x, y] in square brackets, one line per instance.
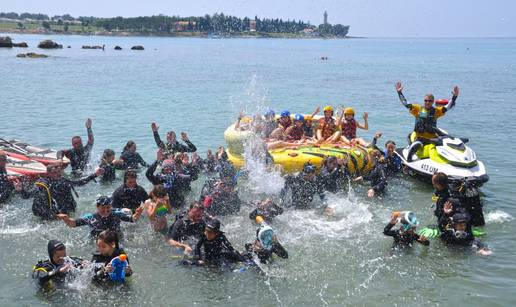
[214, 248]
[459, 233]
[57, 267]
[79, 155]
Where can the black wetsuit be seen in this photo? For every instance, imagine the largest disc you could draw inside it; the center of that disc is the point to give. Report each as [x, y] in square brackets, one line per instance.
[52, 197]
[183, 229]
[6, 186]
[101, 261]
[334, 180]
[268, 213]
[172, 183]
[79, 158]
[131, 198]
[216, 251]
[224, 202]
[190, 173]
[98, 223]
[47, 270]
[449, 238]
[303, 191]
[172, 148]
[132, 160]
[109, 171]
[401, 238]
[378, 178]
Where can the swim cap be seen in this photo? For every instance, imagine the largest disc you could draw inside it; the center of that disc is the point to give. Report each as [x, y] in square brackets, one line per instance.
[299, 117]
[208, 200]
[213, 225]
[460, 218]
[349, 111]
[285, 113]
[309, 168]
[328, 108]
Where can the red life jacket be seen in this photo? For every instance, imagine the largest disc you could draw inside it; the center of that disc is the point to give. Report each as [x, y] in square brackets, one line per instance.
[349, 129]
[328, 128]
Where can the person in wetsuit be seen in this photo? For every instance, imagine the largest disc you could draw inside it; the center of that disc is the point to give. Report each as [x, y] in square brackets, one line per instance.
[267, 209]
[57, 267]
[214, 248]
[105, 218]
[426, 117]
[109, 164]
[131, 158]
[393, 164]
[459, 233]
[53, 193]
[79, 154]
[129, 195]
[186, 227]
[406, 235]
[265, 245]
[441, 193]
[334, 174]
[7, 187]
[171, 179]
[304, 187]
[377, 175]
[107, 249]
[172, 145]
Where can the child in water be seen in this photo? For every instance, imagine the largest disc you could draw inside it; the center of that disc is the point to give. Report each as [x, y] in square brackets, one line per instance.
[406, 235]
[107, 250]
[157, 207]
[109, 164]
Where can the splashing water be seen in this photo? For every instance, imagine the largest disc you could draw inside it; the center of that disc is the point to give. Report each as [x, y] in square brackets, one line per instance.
[498, 216]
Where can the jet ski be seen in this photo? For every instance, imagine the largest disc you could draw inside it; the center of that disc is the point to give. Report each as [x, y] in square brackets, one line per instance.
[446, 154]
[24, 151]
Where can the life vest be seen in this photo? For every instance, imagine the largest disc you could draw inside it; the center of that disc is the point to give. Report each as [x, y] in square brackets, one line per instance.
[295, 133]
[426, 121]
[328, 127]
[349, 129]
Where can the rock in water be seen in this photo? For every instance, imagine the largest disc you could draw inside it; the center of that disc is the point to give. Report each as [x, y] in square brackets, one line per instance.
[6, 42]
[32, 55]
[137, 48]
[21, 45]
[21, 55]
[49, 44]
[118, 48]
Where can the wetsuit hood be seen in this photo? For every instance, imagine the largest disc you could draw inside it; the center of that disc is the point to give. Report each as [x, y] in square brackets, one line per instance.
[52, 246]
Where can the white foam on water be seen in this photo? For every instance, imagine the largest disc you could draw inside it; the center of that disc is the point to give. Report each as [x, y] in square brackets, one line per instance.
[8, 230]
[498, 216]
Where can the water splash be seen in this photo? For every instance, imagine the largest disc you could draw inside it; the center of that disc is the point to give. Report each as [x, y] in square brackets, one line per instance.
[498, 216]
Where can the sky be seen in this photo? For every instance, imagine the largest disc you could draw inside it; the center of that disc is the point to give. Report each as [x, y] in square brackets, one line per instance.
[371, 18]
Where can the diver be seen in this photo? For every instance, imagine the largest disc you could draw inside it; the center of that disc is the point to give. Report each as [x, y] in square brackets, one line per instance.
[53, 193]
[109, 164]
[220, 197]
[393, 164]
[296, 132]
[187, 227]
[265, 245]
[172, 145]
[441, 194]
[426, 118]
[131, 158]
[334, 174]
[267, 209]
[130, 195]
[58, 265]
[406, 235]
[107, 249]
[327, 130]
[7, 187]
[79, 154]
[105, 218]
[469, 195]
[303, 187]
[459, 233]
[214, 248]
[376, 175]
[170, 178]
[349, 127]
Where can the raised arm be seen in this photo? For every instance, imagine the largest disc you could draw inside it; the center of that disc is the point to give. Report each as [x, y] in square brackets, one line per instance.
[399, 89]
[316, 111]
[455, 94]
[366, 122]
[157, 139]
[90, 132]
[190, 147]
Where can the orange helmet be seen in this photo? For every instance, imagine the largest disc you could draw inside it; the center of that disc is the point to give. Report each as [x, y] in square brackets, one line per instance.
[349, 111]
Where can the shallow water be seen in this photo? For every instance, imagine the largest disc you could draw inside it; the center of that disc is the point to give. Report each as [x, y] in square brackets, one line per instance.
[199, 86]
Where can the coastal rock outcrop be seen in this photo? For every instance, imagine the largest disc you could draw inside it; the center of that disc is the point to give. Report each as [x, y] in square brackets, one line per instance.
[137, 48]
[118, 48]
[93, 47]
[21, 45]
[6, 42]
[32, 55]
[49, 44]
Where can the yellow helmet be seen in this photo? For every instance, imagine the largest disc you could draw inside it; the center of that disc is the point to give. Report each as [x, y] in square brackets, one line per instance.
[349, 111]
[308, 118]
[328, 108]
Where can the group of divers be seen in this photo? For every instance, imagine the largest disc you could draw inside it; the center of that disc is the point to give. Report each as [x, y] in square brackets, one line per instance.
[196, 228]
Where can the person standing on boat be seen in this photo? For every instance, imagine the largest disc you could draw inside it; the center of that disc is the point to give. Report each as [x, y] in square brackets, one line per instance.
[79, 154]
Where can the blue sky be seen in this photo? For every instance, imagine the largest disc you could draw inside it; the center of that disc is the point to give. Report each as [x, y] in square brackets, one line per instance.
[373, 18]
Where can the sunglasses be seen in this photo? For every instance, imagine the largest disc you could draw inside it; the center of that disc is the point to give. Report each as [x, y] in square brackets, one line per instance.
[429, 100]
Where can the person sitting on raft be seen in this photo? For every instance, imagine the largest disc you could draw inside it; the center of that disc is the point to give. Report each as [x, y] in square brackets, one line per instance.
[349, 127]
[334, 174]
[53, 193]
[107, 249]
[105, 218]
[79, 155]
[265, 245]
[303, 186]
[157, 207]
[58, 265]
[269, 124]
[172, 145]
[187, 227]
[109, 164]
[426, 118]
[393, 163]
[7, 186]
[267, 209]
[406, 235]
[459, 232]
[377, 175]
[296, 132]
[284, 121]
[132, 159]
[327, 130]
[130, 195]
[214, 248]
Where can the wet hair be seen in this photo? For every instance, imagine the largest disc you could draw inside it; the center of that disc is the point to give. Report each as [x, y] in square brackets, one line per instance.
[76, 137]
[389, 142]
[441, 179]
[107, 153]
[130, 174]
[429, 95]
[129, 145]
[109, 237]
[158, 191]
